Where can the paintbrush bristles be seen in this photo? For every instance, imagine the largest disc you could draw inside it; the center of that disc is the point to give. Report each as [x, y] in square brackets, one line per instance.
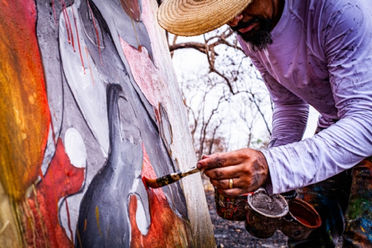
[168, 179]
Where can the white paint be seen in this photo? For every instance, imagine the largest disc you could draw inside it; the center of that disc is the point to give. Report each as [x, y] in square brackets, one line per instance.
[76, 151]
[74, 207]
[75, 148]
[142, 223]
[87, 84]
[49, 152]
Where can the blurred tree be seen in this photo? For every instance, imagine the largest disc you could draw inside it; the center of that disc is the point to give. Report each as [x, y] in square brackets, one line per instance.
[228, 105]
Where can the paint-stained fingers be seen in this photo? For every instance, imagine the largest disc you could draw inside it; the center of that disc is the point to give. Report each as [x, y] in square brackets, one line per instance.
[223, 159]
[223, 173]
[211, 162]
[205, 156]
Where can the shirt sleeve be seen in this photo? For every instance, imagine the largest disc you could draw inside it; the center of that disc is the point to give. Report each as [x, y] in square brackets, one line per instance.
[348, 47]
[290, 112]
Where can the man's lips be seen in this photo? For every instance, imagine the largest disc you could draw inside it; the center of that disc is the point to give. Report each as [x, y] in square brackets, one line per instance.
[244, 27]
[249, 28]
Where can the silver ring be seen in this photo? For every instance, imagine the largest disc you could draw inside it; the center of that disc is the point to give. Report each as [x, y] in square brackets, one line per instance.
[231, 183]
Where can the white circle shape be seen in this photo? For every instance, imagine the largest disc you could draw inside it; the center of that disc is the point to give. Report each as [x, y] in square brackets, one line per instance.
[75, 148]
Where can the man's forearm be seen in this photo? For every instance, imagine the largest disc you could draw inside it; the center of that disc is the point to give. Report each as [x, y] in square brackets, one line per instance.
[333, 150]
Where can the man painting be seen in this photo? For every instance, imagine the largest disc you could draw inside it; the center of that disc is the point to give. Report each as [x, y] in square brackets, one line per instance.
[318, 53]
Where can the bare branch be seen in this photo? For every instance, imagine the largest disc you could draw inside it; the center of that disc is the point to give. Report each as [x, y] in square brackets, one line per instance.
[204, 121]
[213, 136]
[195, 45]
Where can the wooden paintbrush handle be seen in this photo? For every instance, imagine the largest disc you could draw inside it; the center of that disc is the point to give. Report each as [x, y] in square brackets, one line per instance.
[174, 177]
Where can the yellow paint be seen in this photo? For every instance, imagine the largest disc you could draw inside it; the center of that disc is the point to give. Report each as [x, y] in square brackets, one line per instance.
[79, 238]
[24, 112]
[9, 231]
[85, 225]
[97, 219]
[32, 99]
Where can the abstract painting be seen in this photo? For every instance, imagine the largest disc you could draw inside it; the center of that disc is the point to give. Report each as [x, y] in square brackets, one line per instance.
[89, 106]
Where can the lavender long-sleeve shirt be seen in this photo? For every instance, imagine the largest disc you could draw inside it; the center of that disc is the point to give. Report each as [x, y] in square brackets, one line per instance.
[321, 55]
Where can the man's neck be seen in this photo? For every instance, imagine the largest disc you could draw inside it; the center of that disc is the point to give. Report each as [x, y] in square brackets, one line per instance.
[277, 11]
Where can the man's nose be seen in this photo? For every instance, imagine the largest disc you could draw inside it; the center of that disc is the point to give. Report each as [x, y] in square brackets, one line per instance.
[233, 22]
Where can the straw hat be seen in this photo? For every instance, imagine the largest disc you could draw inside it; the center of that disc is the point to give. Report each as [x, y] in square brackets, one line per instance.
[194, 17]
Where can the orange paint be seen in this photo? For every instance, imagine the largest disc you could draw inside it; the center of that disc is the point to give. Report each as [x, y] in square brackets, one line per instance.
[62, 179]
[24, 111]
[166, 229]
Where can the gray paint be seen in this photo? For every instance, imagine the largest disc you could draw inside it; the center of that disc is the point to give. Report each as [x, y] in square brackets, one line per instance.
[84, 108]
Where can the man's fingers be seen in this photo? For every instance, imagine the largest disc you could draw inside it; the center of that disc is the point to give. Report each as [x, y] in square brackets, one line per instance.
[205, 156]
[212, 162]
[226, 183]
[223, 187]
[223, 173]
[221, 160]
[233, 192]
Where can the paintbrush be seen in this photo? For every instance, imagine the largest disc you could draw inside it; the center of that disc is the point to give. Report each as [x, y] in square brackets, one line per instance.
[168, 179]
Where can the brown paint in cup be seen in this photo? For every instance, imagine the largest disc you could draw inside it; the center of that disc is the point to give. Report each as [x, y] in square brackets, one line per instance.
[264, 213]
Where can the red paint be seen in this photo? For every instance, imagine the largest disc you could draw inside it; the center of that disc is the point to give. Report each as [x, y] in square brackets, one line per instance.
[132, 9]
[24, 115]
[70, 29]
[146, 75]
[62, 179]
[166, 228]
[54, 12]
[148, 172]
[144, 181]
[78, 40]
[41, 173]
[69, 220]
[96, 29]
[67, 28]
[157, 115]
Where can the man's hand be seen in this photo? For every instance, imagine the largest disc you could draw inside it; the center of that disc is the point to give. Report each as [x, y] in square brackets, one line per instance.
[246, 167]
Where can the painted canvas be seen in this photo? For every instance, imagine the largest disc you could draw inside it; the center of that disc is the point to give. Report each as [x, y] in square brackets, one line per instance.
[89, 106]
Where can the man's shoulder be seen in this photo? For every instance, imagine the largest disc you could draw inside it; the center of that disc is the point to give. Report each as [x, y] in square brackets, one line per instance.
[323, 8]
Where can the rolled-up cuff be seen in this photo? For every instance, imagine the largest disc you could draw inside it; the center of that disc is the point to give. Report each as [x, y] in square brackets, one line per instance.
[273, 174]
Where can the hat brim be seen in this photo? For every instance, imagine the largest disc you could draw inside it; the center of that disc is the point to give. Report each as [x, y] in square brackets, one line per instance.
[195, 17]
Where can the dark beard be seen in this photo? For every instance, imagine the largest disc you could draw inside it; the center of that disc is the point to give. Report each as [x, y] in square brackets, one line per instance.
[259, 39]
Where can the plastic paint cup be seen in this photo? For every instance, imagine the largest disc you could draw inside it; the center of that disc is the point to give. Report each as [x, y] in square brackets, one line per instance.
[301, 220]
[231, 208]
[264, 213]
